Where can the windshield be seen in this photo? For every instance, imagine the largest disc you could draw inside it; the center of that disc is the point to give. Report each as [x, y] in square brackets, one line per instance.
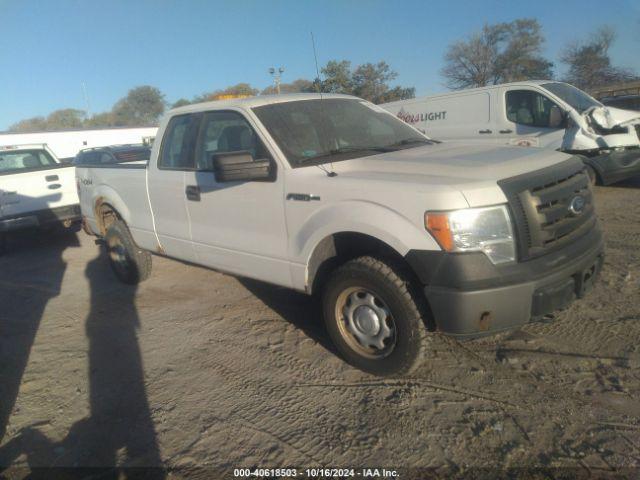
[575, 97]
[334, 129]
[11, 160]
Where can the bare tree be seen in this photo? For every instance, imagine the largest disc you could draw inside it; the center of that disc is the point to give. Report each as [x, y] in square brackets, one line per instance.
[589, 62]
[499, 53]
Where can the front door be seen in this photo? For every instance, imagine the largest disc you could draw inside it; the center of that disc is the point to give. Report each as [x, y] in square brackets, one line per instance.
[238, 227]
[531, 119]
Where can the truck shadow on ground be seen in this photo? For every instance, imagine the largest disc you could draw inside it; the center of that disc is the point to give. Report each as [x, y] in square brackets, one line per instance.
[119, 430]
[300, 310]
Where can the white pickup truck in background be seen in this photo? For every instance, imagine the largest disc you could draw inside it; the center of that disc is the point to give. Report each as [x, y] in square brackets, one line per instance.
[330, 194]
[36, 190]
[543, 113]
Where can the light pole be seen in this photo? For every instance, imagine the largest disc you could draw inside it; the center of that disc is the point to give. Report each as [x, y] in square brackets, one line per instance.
[276, 77]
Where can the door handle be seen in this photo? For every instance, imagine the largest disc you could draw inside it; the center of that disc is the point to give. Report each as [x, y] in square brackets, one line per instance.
[193, 193]
[51, 178]
[485, 131]
[506, 131]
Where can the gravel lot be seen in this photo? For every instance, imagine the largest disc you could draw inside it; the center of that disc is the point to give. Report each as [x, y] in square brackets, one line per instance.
[202, 372]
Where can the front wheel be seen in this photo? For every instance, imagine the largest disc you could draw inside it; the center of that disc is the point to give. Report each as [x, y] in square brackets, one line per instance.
[129, 262]
[373, 316]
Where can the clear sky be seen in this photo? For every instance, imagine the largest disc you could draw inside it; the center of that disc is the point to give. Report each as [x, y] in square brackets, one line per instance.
[48, 48]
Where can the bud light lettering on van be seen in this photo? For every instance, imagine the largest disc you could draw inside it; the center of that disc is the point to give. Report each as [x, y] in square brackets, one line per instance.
[412, 118]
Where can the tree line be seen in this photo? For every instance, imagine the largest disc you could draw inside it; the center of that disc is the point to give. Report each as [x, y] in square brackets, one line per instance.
[498, 53]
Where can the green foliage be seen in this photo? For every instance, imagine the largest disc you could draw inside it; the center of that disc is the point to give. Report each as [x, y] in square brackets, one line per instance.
[180, 103]
[238, 89]
[34, 124]
[301, 85]
[589, 63]
[104, 119]
[141, 107]
[65, 119]
[337, 77]
[369, 81]
[504, 52]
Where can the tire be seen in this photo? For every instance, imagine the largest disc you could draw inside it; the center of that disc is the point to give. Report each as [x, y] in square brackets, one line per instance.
[347, 310]
[593, 176]
[129, 262]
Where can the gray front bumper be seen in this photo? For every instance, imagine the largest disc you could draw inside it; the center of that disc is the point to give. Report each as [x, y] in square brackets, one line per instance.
[615, 166]
[470, 313]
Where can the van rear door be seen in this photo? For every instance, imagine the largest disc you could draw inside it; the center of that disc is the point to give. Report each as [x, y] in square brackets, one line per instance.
[527, 117]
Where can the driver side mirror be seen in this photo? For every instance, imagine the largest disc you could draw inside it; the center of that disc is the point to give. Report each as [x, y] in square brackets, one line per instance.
[240, 167]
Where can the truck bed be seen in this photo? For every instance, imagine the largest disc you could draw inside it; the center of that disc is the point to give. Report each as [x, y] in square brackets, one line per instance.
[125, 185]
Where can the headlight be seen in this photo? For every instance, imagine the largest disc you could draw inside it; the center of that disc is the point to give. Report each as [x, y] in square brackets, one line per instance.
[485, 230]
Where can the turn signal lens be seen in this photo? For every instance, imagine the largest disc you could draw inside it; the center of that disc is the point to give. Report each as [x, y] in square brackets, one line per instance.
[438, 225]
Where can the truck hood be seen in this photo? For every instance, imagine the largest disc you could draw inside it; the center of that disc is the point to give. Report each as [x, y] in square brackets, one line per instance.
[471, 169]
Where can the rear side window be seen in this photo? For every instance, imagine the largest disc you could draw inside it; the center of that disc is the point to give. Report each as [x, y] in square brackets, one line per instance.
[178, 143]
[526, 107]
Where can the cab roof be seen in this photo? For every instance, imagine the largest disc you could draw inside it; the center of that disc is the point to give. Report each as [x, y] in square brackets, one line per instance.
[257, 101]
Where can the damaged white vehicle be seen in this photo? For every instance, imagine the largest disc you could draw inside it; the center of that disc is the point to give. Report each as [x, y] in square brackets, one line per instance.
[539, 113]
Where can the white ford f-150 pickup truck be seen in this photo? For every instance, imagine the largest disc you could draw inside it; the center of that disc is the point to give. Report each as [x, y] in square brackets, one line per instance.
[36, 190]
[400, 235]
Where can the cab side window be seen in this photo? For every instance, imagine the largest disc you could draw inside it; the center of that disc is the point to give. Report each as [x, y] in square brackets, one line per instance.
[526, 107]
[224, 132]
[178, 143]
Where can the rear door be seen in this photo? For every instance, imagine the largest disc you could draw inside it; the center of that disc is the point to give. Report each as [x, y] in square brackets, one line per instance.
[166, 185]
[529, 118]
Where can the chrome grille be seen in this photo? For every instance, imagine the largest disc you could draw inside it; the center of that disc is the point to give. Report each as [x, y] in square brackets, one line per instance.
[540, 206]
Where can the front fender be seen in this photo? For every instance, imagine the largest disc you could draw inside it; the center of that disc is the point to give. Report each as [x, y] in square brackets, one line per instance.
[368, 218]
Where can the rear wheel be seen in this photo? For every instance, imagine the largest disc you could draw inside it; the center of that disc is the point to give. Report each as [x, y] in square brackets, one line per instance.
[373, 317]
[129, 262]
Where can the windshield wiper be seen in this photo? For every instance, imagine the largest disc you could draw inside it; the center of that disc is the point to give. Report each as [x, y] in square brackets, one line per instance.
[410, 141]
[347, 149]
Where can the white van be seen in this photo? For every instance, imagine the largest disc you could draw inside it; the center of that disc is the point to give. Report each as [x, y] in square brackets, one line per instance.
[537, 113]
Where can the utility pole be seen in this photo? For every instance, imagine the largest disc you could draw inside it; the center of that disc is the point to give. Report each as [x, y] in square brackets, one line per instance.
[277, 75]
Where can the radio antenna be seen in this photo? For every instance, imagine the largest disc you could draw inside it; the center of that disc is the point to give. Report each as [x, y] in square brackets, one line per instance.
[330, 173]
[315, 57]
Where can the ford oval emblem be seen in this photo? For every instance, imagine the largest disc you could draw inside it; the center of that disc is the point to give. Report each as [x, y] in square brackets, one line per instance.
[577, 204]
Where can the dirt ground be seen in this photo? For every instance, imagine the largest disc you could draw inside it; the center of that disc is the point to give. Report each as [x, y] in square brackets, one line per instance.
[202, 373]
